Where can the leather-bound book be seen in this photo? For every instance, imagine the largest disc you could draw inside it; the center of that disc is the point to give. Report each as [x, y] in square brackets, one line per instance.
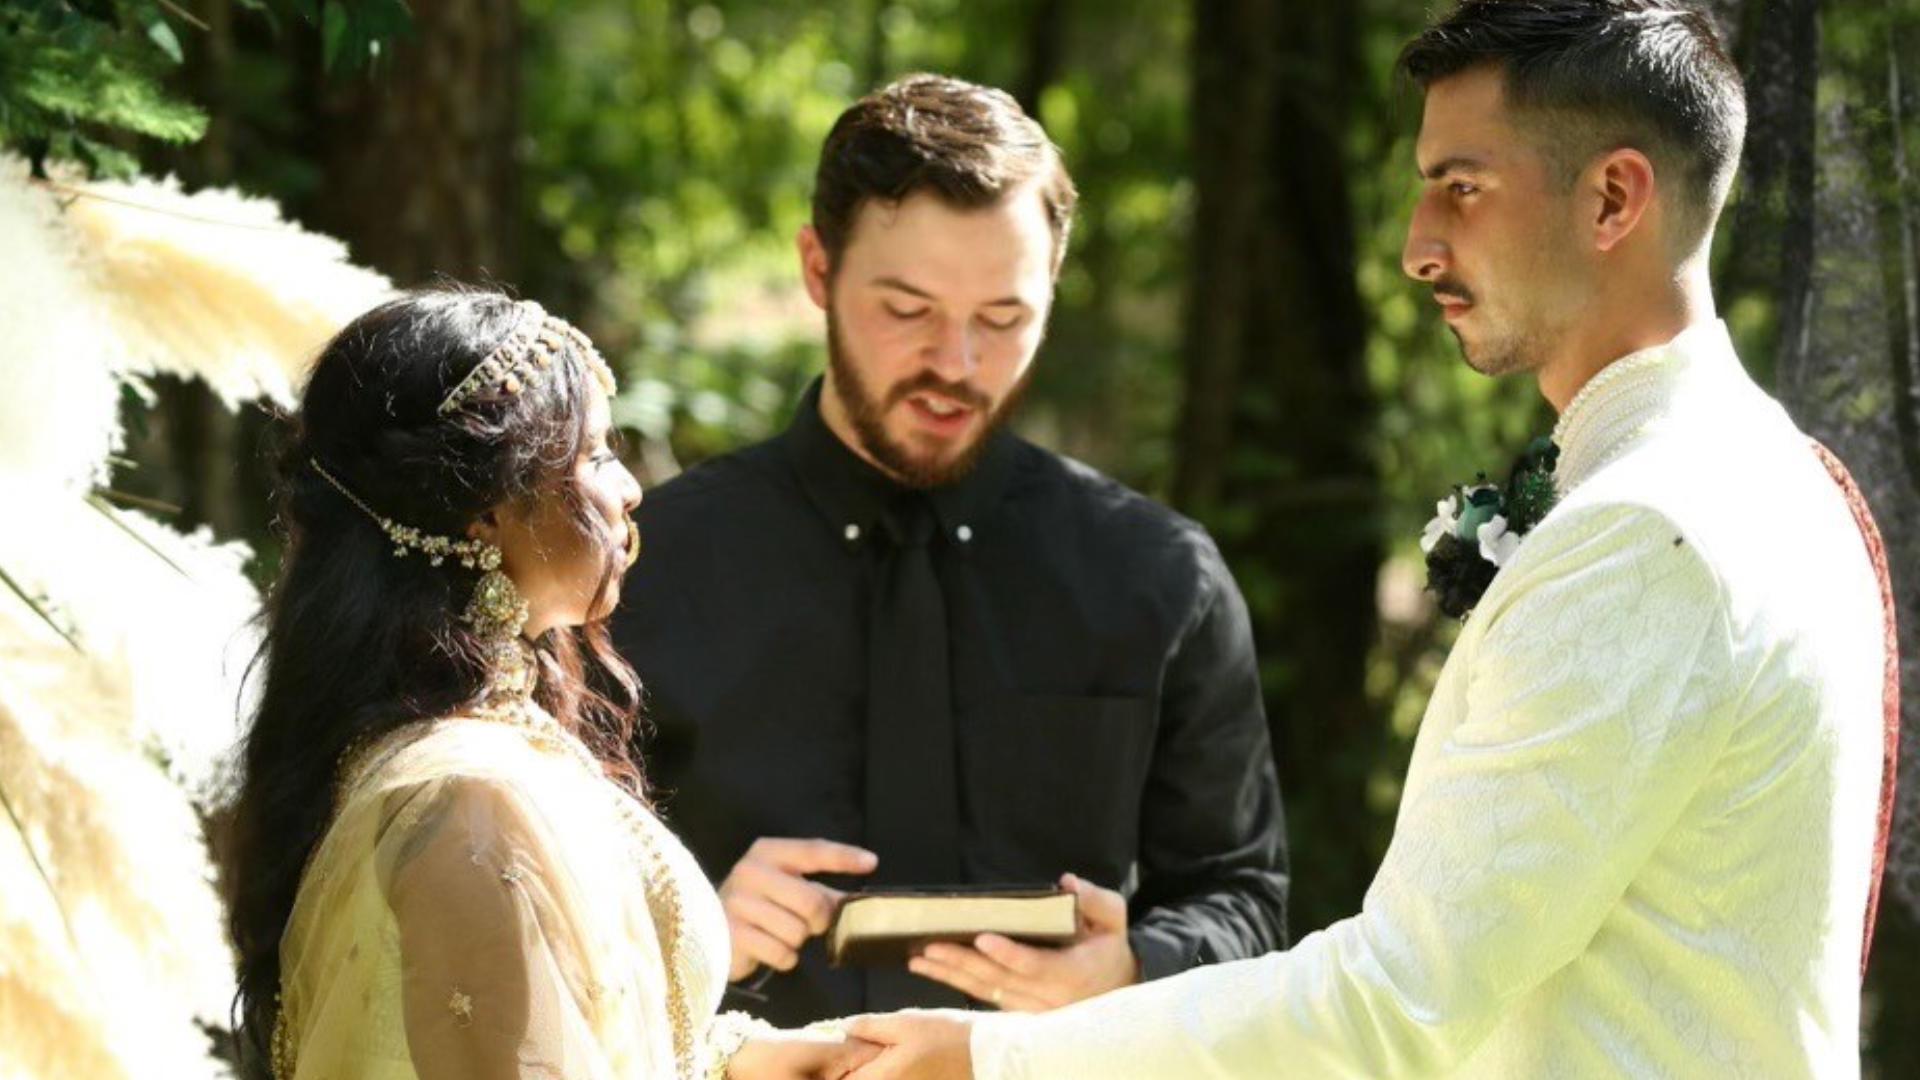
[888, 926]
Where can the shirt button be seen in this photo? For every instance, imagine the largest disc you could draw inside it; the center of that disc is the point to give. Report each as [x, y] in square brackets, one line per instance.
[853, 533]
[964, 533]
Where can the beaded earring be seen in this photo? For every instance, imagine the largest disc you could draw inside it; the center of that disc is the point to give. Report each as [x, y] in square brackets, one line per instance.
[497, 609]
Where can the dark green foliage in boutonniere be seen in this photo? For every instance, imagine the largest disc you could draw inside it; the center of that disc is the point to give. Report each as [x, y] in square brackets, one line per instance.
[1477, 528]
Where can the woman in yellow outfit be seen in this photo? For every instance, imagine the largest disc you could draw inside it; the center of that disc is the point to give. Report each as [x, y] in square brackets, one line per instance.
[444, 863]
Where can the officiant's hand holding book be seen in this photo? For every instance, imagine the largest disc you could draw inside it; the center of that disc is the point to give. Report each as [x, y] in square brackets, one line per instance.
[1007, 974]
[888, 927]
[773, 907]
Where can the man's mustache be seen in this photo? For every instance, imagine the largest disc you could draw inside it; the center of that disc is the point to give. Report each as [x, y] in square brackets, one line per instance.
[926, 381]
[1447, 288]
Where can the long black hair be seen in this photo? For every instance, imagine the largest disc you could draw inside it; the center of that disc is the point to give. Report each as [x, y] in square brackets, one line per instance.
[357, 641]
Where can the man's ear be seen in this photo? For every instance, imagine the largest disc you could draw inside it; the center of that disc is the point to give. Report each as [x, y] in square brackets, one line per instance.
[1621, 187]
[816, 266]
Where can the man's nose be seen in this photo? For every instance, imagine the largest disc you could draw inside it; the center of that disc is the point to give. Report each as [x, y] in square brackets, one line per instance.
[1425, 256]
[954, 355]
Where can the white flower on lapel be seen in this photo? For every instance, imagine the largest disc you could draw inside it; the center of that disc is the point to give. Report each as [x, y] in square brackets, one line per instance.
[1446, 520]
[1497, 545]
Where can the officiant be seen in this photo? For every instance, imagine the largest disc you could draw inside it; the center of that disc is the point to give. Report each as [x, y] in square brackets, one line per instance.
[897, 646]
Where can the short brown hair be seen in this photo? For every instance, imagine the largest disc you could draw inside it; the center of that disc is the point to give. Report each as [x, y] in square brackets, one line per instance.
[967, 144]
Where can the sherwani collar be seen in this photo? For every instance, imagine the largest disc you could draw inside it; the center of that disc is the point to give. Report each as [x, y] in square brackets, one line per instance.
[1631, 395]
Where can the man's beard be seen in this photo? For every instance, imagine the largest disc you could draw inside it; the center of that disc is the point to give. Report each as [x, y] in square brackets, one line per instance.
[1516, 349]
[866, 411]
[1508, 349]
[1510, 352]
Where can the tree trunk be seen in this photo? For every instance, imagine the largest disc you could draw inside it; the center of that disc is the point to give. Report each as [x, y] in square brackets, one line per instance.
[1046, 49]
[1903, 254]
[1771, 223]
[1277, 413]
[876, 62]
[422, 173]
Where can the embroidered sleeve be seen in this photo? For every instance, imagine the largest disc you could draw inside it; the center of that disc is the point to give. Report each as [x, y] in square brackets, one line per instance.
[495, 981]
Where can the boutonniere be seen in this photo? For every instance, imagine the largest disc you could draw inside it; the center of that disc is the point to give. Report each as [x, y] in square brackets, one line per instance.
[1478, 527]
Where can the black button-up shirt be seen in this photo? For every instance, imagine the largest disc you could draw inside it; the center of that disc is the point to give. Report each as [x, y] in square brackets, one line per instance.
[1106, 705]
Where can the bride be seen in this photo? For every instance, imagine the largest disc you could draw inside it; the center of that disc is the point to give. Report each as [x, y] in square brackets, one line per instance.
[444, 863]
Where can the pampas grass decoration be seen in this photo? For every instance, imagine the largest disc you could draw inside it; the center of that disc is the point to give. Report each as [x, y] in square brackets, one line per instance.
[112, 950]
[217, 285]
[60, 359]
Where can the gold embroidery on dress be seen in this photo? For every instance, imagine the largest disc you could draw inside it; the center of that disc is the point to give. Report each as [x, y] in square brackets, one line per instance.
[282, 1043]
[662, 892]
[509, 699]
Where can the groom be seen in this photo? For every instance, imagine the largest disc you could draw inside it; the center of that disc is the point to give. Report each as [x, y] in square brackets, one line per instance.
[1638, 830]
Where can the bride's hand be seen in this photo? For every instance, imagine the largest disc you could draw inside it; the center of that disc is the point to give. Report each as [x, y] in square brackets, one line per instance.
[799, 1055]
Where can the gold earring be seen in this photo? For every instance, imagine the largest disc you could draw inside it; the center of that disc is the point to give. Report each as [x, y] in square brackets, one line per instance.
[497, 609]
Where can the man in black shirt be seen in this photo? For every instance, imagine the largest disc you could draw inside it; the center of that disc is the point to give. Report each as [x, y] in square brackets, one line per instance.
[898, 646]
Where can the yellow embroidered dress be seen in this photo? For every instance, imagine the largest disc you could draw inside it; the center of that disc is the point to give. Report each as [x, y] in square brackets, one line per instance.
[485, 903]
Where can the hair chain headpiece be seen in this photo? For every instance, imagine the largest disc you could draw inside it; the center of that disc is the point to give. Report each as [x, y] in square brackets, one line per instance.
[473, 554]
[529, 350]
[496, 611]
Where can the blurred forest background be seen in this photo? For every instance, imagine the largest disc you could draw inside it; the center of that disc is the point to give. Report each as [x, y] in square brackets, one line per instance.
[1233, 333]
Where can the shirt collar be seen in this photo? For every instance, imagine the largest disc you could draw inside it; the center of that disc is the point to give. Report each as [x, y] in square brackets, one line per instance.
[851, 494]
[1629, 395]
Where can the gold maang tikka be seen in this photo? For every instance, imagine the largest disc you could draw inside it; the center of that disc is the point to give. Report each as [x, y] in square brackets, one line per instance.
[496, 610]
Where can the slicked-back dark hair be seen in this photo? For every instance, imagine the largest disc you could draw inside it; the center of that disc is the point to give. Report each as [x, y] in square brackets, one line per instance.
[967, 144]
[1588, 76]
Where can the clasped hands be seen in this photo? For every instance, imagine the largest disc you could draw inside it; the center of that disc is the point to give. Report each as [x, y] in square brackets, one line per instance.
[773, 909]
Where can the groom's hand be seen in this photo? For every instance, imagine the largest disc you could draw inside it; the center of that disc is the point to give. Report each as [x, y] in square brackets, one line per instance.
[916, 1045]
[798, 1055]
[772, 909]
[1025, 978]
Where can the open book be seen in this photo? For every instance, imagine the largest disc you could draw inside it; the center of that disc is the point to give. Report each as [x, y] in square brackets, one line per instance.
[886, 927]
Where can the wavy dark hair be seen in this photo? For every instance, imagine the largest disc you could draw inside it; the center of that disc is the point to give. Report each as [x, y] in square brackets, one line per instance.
[358, 642]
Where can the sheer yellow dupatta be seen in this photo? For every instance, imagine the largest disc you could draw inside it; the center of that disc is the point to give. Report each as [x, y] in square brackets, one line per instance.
[478, 909]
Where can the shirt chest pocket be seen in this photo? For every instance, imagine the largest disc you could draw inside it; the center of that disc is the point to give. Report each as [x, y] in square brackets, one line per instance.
[1052, 783]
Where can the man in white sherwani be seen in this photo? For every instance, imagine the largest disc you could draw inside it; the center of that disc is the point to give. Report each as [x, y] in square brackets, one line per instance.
[1638, 828]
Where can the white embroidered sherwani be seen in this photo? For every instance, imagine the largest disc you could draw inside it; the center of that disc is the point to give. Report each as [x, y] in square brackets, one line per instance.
[1637, 828]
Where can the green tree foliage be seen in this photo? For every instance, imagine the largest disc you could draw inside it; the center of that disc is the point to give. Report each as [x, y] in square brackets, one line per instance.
[73, 76]
[670, 163]
[80, 79]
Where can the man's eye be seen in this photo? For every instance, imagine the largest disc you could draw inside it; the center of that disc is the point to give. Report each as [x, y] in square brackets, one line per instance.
[1000, 324]
[898, 313]
[1461, 187]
